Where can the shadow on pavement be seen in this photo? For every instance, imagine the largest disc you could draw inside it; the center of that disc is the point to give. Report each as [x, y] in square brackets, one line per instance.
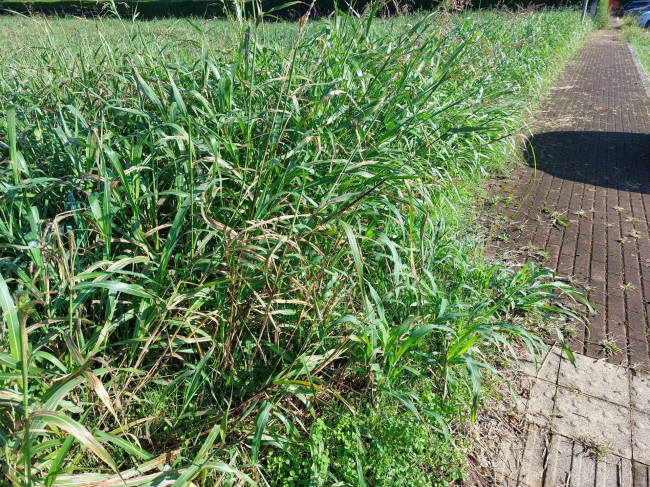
[617, 160]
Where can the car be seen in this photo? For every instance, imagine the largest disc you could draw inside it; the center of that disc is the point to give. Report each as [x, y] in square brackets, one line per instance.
[636, 7]
[634, 4]
[644, 20]
[638, 10]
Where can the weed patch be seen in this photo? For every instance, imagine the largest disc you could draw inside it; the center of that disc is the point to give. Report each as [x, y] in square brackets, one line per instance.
[639, 38]
[234, 251]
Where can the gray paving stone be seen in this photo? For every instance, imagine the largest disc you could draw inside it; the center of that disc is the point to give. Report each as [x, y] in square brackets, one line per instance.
[558, 470]
[569, 464]
[641, 437]
[539, 409]
[509, 482]
[613, 471]
[577, 415]
[641, 475]
[522, 387]
[547, 366]
[640, 392]
[511, 451]
[531, 473]
[596, 378]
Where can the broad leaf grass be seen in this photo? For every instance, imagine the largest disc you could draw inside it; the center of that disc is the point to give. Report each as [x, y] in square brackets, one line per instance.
[232, 247]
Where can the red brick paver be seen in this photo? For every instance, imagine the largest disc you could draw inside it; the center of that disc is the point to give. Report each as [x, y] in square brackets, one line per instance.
[581, 204]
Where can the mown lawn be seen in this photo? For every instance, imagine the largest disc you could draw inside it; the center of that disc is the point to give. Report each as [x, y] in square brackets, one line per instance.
[244, 252]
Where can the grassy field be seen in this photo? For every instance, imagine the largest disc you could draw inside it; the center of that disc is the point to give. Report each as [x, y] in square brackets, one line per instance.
[241, 253]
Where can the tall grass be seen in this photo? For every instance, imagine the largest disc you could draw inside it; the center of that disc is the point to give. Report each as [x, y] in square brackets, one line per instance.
[208, 244]
[602, 14]
[638, 37]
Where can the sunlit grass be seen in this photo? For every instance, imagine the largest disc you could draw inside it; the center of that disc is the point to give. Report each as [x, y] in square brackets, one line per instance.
[639, 37]
[215, 233]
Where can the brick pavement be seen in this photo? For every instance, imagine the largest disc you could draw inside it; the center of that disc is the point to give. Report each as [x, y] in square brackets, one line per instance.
[580, 204]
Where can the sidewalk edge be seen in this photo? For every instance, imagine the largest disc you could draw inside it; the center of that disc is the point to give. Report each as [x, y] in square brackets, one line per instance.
[645, 81]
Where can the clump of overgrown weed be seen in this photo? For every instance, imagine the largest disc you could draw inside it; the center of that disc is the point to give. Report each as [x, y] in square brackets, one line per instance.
[609, 347]
[209, 250]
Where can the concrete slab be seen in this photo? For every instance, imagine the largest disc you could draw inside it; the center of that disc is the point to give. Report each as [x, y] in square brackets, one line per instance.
[613, 471]
[531, 473]
[641, 437]
[560, 460]
[641, 475]
[640, 392]
[596, 378]
[511, 452]
[546, 368]
[577, 415]
[569, 464]
[510, 482]
[539, 409]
